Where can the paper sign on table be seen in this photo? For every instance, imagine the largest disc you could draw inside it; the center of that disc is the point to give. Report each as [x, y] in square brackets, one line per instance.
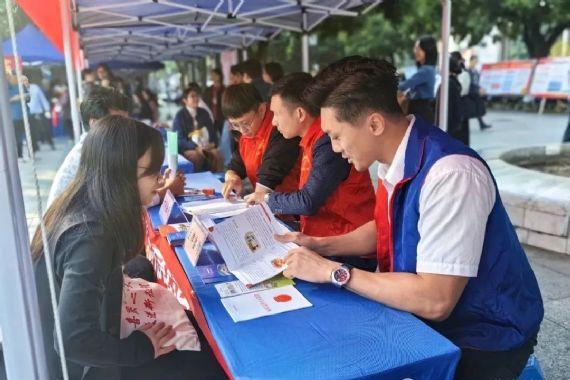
[247, 244]
[235, 288]
[166, 207]
[267, 302]
[196, 236]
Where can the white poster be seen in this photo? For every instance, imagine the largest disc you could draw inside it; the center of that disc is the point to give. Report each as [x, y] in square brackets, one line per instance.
[551, 78]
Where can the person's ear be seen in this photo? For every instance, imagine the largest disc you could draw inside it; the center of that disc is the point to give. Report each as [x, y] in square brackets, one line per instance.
[376, 124]
[92, 121]
[300, 114]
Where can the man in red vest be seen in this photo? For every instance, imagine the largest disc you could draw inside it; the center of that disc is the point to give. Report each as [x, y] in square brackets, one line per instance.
[263, 155]
[333, 198]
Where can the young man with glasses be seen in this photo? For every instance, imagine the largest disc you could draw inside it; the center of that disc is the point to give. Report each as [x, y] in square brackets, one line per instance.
[263, 155]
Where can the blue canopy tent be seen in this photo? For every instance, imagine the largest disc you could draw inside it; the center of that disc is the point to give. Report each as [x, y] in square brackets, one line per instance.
[143, 30]
[33, 46]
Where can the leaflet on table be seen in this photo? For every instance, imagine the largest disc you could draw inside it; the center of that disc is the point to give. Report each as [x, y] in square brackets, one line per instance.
[248, 246]
[170, 228]
[214, 273]
[176, 238]
[235, 288]
[215, 208]
[268, 302]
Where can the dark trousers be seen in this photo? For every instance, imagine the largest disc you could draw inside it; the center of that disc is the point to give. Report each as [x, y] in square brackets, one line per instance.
[462, 133]
[42, 128]
[566, 137]
[20, 132]
[176, 364]
[180, 365]
[493, 365]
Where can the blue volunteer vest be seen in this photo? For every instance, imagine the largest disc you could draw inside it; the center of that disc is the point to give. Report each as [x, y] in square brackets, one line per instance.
[501, 308]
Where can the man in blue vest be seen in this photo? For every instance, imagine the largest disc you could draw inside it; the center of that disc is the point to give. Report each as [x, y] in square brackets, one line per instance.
[446, 247]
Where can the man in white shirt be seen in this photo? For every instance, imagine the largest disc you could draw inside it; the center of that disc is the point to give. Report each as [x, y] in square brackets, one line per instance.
[446, 248]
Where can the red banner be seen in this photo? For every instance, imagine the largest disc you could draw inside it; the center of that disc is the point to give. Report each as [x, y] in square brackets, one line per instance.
[46, 15]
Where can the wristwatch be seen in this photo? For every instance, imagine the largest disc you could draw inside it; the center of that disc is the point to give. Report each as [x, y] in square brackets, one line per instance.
[266, 198]
[341, 275]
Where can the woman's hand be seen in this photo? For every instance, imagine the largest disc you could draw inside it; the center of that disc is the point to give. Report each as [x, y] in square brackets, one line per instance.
[159, 334]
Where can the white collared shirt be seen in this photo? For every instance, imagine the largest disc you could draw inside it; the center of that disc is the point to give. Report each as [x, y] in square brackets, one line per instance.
[456, 199]
[67, 171]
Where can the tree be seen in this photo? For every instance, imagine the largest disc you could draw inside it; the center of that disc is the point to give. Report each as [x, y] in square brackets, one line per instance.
[539, 22]
[391, 29]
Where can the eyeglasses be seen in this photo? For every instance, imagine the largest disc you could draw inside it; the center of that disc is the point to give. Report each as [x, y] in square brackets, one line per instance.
[160, 179]
[243, 125]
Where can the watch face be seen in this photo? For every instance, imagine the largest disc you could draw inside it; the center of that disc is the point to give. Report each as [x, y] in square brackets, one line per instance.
[341, 275]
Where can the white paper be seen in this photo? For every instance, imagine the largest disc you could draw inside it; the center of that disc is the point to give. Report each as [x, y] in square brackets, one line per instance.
[215, 206]
[235, 288]
[267, 302]
[247, 244]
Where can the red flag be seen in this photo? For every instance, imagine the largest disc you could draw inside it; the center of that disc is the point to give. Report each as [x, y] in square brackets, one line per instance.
[46, 15]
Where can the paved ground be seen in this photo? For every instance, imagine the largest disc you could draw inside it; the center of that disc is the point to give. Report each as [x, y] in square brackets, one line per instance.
[509, 130]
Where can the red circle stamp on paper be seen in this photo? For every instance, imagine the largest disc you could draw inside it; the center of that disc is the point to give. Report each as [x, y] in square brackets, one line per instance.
[282, 298]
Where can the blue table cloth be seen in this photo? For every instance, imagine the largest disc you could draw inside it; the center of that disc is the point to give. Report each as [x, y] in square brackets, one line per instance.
[343, 336]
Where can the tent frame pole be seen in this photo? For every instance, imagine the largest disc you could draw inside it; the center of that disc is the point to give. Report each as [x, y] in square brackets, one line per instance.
[71, 85]
[444, 88]
[23, 345]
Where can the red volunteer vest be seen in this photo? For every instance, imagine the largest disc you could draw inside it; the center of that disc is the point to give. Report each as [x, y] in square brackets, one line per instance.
[348, 207]
[383, 235]
[252, 150]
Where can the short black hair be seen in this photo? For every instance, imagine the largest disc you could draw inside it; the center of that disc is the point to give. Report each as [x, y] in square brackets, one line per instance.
[100, 102]
[239, 99]
[274, 70]
[192, 87]
[251, 67]
[354, 85]
[85, 72]
[291, 87]
[429, 45]
[457, 55]
[219, 73]
[236, 69]
[455, 66]
[106, 67]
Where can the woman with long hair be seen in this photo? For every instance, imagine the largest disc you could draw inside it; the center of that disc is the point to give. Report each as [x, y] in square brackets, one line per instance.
[420, 88]
[152, 101]
[93, 228]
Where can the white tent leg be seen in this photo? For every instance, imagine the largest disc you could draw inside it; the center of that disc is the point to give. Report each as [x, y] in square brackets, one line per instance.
[444, 88]
[71, 85]
[23, 347]
[305, 51]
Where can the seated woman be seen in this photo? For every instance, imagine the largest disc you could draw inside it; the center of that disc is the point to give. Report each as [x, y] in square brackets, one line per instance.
[93, 228]
[197, 138]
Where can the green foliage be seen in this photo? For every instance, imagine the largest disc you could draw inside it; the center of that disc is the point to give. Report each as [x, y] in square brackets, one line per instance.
[391, 29]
